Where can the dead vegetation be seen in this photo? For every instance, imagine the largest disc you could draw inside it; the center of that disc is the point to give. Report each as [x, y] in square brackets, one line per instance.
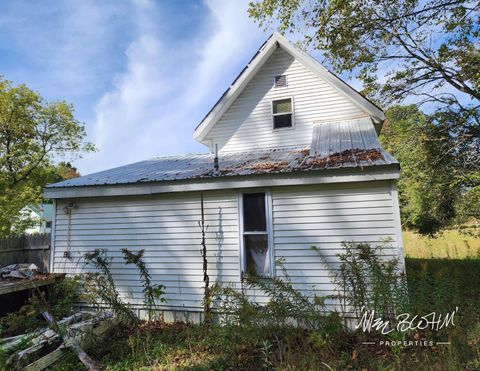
[356, 157]
[300, 161]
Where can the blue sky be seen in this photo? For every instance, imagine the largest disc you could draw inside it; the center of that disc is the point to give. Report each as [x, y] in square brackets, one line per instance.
[141, 74]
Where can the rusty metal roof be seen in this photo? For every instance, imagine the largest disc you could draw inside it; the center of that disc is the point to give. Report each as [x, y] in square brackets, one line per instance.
[343, 144]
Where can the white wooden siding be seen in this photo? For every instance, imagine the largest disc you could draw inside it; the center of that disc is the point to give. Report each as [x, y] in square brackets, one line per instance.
[166, 226]
[324, 217]
[247, 124]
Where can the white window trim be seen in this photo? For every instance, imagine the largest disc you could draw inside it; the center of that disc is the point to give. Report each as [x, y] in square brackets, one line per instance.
[292, 112]
[269, 232]
[275, 83]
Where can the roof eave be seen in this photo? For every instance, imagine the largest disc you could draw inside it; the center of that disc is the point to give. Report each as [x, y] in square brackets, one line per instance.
[226, 100]
[324, 176]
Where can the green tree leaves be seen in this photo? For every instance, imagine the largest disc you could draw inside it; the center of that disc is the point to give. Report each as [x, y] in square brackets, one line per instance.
[432, 185]
[422, 46]
[33, 133]
[423, 51]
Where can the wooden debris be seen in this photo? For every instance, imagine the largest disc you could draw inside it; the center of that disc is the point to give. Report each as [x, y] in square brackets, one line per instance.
[90, 363]
[46, 346]
[47, 360]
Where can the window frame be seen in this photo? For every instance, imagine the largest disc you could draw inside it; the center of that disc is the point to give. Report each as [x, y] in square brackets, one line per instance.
[268, 232]
[292, 112]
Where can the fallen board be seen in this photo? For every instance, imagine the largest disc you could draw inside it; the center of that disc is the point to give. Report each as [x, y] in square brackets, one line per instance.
[47, 360]
[9, 286]
[98, 331]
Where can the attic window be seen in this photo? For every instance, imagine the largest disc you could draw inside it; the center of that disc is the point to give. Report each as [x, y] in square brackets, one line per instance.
[282, 112]
[280, 81]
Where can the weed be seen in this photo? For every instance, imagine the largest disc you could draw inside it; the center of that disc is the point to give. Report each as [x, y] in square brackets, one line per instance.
[101, 289]
[260, 343]
[207, 292]
[151, 292]
[474, 341]
[286, 306]
[366, 280]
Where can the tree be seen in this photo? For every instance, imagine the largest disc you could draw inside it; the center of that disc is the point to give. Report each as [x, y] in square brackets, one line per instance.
[33, 133]
[427, 48]
[428, 190]
[63, 171]
[424, 51]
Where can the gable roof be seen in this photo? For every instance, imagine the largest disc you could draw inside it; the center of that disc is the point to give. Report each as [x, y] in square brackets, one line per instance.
[275, 41]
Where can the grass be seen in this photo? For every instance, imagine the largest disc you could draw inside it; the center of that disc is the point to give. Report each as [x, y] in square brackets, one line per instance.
[451, 244]
[433, 284]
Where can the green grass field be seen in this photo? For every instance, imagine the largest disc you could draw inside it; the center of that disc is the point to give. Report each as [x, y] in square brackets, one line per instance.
[448, 245]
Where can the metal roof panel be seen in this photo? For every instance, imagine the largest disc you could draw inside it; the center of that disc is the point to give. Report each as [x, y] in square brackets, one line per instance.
[348, 143]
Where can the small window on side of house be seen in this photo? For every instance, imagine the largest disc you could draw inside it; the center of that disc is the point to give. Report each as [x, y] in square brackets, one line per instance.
[256, 252]
[280, 81]
[48, 224]
[282, 111]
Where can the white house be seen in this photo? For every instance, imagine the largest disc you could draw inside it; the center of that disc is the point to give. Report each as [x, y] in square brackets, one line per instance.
[40, 216]
[299, 164]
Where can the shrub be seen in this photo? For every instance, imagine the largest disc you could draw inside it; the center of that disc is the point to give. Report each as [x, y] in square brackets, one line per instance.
[286, 305]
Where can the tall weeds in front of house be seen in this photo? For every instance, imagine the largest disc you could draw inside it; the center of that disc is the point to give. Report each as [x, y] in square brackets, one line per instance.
[207, 290]
[255, 336]
[100, 288]
[285, 306]
[367, 280]
[152, 293]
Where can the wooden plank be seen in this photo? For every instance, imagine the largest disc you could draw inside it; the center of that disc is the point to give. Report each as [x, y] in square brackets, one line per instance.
[7, 287]
[47, 360]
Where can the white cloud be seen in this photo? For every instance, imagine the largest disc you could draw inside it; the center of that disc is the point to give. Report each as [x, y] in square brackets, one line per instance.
[167, 85]
[233, 36]
[69, 43]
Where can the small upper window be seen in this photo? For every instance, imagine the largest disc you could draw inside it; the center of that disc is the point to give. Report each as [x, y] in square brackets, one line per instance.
[280, 81]
[282, 113]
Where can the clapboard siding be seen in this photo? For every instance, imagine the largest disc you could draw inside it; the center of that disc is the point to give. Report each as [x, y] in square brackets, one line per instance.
[166, 226]
[324, 217]
[247, 124]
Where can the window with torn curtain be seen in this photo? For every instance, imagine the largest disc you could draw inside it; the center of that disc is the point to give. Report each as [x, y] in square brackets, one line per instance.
[256, 237]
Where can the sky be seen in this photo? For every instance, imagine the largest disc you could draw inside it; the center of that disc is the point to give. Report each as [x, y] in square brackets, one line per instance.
[141, 74]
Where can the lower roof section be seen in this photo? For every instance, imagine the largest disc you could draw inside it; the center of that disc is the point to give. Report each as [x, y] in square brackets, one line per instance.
[340, 152]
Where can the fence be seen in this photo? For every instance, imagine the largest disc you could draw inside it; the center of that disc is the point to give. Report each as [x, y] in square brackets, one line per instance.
[26, 249]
